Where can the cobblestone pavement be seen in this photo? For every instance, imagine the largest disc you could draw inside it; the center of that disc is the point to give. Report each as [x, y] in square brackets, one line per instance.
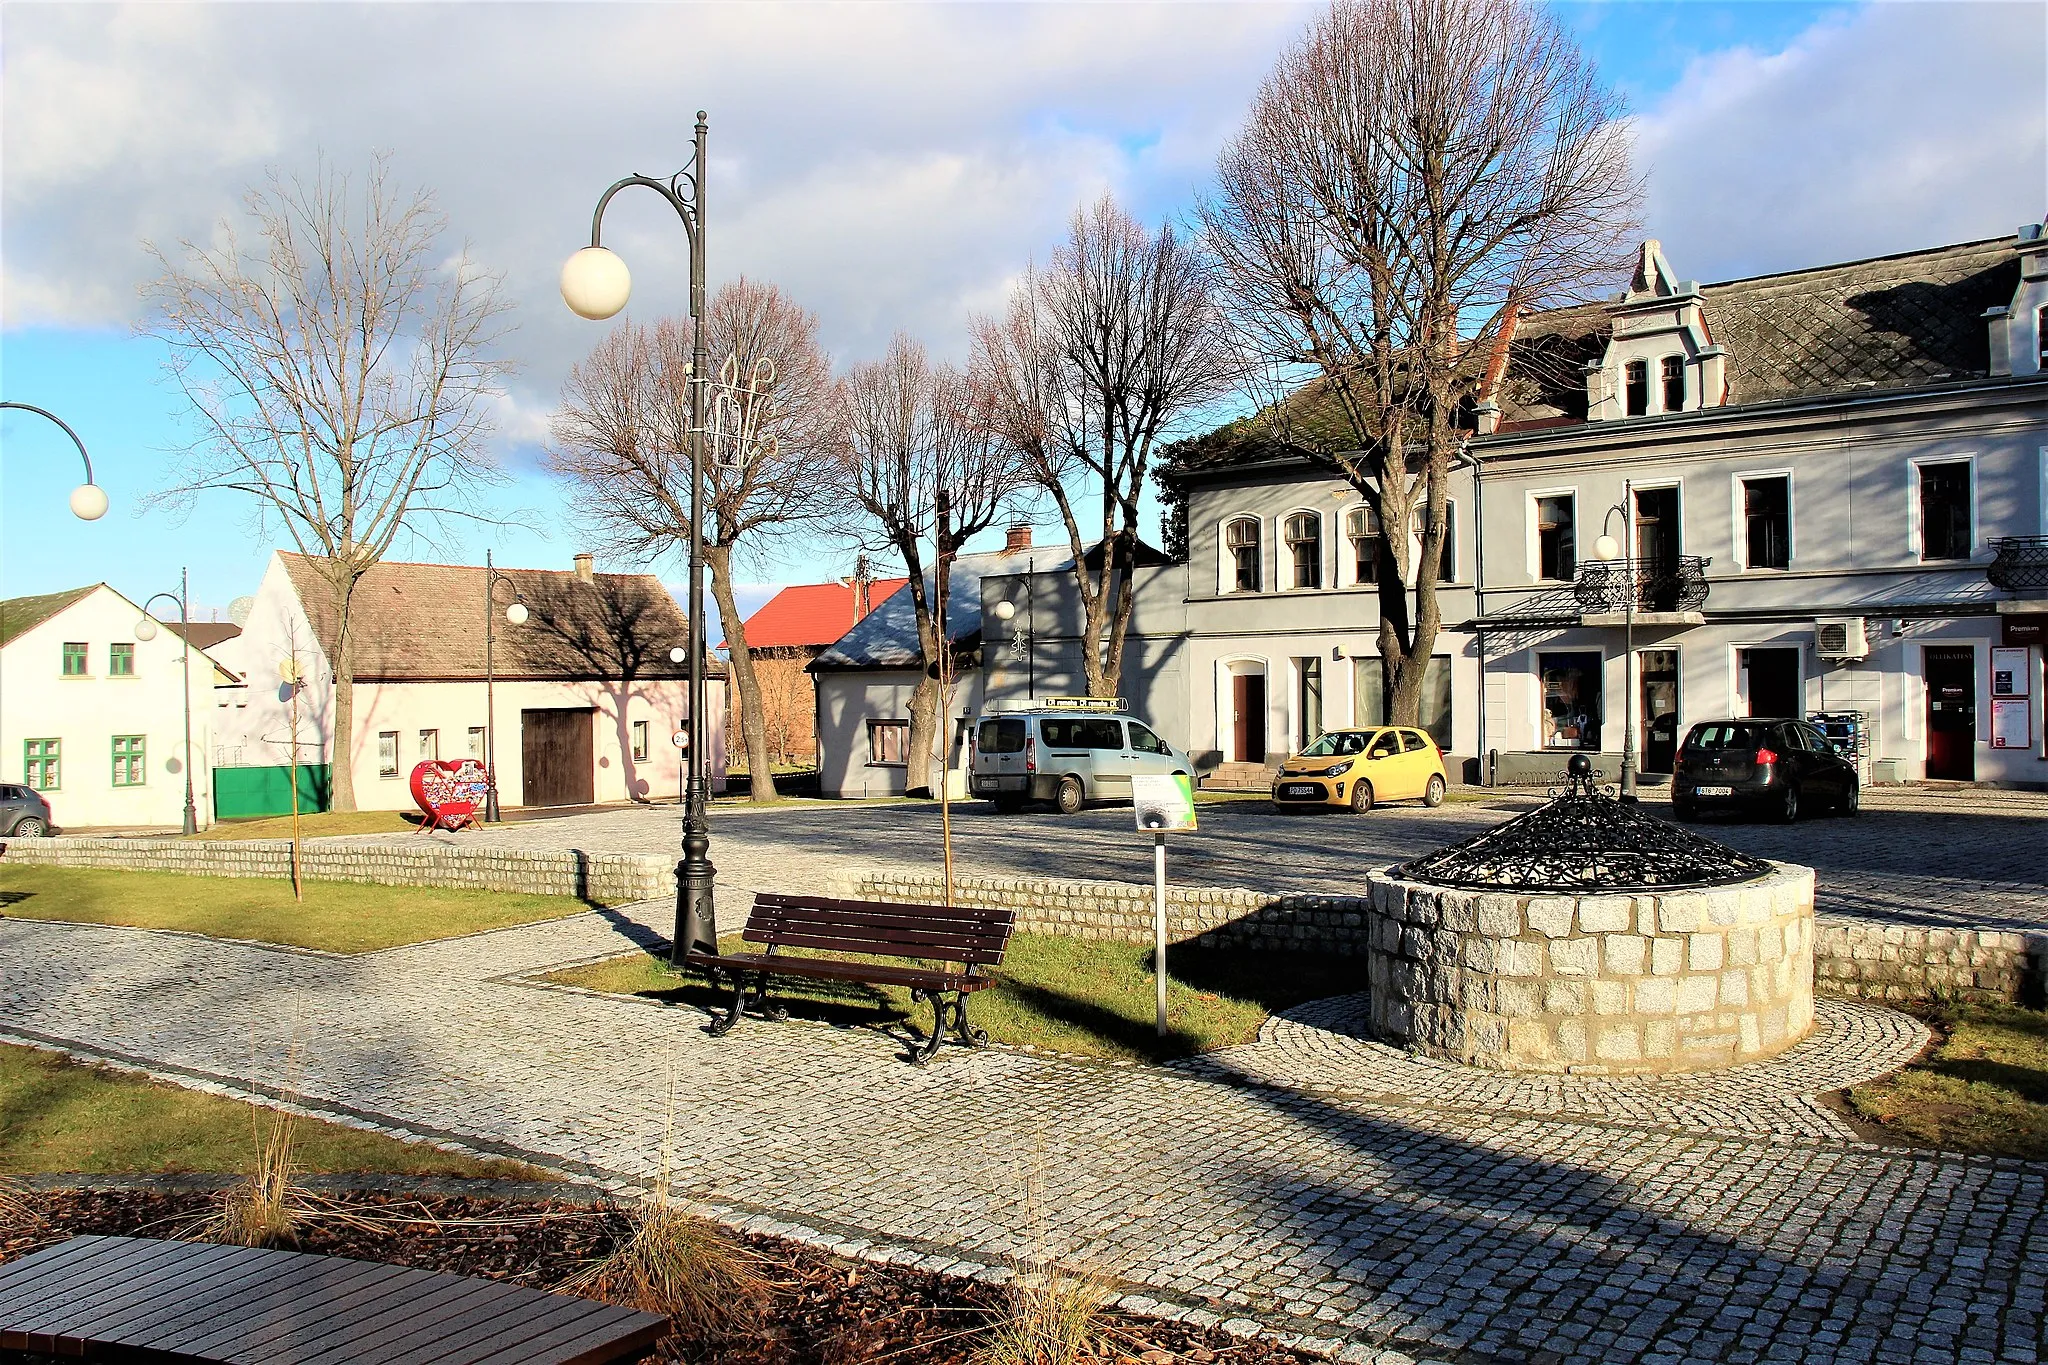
[1920, 864]
[1397, 1227]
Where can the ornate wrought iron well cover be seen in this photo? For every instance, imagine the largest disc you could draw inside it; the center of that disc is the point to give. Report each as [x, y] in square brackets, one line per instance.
[1585, 840]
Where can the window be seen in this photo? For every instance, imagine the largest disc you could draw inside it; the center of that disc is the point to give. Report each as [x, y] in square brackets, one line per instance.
[387, 753]
[1674, 383]
[1001, 737]
[639, 741]
[430, 745]
[1362, 529]
[1081, 732]
[74, 658]
[129, 768]
[1447, 559]
[888, 743]
[1145, 742]
[120, 661]
[1571, 700]
[1308, 701]
[1767, 522]
[1557, 545]
[476, 742]
[42, 764]
[1369, 703]
[1638, 372]
[1242, 537]
[1412, 742]
[2041, 335]
[1945, 510]
[1304, 535]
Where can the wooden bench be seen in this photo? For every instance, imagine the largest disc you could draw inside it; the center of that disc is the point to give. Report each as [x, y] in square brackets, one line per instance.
[139, 1298]
[949, 934]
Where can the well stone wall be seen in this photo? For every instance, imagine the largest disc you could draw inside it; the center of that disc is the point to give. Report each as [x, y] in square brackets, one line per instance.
[1615, 983]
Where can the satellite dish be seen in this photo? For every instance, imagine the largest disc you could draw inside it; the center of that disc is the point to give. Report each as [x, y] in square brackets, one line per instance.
[241, 609]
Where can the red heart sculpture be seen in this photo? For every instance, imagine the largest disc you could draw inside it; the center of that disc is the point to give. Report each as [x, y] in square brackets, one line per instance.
[450, 792]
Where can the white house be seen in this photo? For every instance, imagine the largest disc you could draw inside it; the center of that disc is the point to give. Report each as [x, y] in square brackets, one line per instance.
[93, 716]
[582, 693]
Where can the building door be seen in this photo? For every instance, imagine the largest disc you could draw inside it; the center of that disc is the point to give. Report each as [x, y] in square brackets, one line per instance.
[557, 757]
[1657, 549]
[1657, 669]
[1248, 717]
[1952, 714]
[1768, 682]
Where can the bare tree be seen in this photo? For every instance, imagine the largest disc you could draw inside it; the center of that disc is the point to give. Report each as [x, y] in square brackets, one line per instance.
[1099, 354]
[622, 439]
[340, 368]
[918, 463]
[1414, 174]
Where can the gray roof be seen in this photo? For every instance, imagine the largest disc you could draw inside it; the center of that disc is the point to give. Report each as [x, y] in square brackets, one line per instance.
[886, 637]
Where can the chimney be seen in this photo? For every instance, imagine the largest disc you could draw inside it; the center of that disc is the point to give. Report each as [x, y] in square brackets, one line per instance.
[1019, 537]
[584, 570]
[861, 582]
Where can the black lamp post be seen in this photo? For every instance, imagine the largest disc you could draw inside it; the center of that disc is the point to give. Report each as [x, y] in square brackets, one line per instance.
[1607, 548]
[595, 285]
[145, 629]
[515, 612]
[88, 500]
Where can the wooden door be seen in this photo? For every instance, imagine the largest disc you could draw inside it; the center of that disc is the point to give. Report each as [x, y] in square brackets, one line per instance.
[557, 757]
[1248, 706]
[1657, 709]
[1952, 715]
[1657, 549]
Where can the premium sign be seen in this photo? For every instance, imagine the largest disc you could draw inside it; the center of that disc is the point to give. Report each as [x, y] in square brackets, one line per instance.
[2025, 628]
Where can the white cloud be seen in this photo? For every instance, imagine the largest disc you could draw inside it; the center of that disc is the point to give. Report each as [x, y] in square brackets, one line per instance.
[1889, 128]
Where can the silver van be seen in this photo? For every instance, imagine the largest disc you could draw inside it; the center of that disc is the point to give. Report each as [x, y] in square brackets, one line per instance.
[1066, 750]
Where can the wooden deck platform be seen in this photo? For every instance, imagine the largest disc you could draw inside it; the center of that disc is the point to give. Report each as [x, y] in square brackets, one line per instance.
[138, 1298]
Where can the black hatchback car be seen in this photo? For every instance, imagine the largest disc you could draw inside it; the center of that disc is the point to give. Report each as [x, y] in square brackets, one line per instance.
[24, 814]
[1773, 767]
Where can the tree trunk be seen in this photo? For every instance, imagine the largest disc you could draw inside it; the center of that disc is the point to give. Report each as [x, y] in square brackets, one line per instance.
[753, 720]
[924, 715]
[341, 753]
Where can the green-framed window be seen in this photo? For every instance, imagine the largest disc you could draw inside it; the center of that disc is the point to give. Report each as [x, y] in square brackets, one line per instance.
[42, 763]
[120, 661]
[130, 769]
[75, 658]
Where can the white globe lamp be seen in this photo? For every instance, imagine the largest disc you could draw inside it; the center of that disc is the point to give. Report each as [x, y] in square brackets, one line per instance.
[678, 654]
[595, 283]
[88, 502]
[516, 613]
[1607, 547]
[1005, 610]
[145, 629]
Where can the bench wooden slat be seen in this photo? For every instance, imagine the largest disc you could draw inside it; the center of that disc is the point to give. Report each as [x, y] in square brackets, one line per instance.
[370, 1333]
[527, 1340]
[832, 969]
[428, 1349]
[885, 931]
[99, 1288]
[844, 943]
[791, 900]
[33, 1274]
[990, 922]
[157, 1310]
[348, 1300]
[223, 1316]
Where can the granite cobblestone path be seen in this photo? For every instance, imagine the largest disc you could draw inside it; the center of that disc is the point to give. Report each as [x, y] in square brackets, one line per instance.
[1399, 1225]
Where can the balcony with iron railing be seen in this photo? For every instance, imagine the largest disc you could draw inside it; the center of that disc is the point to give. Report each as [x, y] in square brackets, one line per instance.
[1666, 592]
[2019, 565]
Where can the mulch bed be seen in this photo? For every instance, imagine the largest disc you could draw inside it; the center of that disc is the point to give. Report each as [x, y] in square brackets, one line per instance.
[823, 1310]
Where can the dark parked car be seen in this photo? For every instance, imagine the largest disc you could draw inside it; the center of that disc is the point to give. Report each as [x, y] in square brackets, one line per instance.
[23, 813]
[1774, 767]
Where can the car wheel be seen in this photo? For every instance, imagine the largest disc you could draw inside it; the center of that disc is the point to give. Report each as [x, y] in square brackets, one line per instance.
[30, 828]
[1361, 797]
[1067, 797]
[1852, 799]
[1788, 805]
[1433, 794]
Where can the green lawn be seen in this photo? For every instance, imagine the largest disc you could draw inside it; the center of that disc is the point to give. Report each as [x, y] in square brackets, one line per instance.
[1984, 1088]
[56, 1115]
[314, 826]
[339, 917]
[1066, 995]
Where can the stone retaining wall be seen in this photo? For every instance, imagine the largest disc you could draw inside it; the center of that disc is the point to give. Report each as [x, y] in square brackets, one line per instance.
[1850, 957]
[604, 878]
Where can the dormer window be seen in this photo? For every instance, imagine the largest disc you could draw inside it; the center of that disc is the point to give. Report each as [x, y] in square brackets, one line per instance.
[1304, 534]
[1242, 539]
[1638, 376]
[1674, 383]
[2041, 335]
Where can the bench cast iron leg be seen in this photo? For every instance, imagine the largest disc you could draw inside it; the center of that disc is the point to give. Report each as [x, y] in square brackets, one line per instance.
[723, 1025]
[963, 1028]
[920, 1055]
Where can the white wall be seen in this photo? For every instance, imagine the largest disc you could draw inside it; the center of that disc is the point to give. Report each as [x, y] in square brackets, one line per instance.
[847, 701]
[85, 714]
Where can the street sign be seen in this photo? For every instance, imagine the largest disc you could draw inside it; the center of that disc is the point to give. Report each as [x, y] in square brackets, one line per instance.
[681, 739]
[1163, 802]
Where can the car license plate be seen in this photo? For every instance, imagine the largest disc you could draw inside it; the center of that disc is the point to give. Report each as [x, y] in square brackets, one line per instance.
[988, 784]
[1713, 791]
[1300, 789]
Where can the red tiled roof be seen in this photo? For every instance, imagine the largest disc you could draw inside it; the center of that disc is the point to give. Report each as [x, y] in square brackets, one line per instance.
[812, 614]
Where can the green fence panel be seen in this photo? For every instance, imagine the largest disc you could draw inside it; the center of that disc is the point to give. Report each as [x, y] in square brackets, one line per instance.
[244, 793]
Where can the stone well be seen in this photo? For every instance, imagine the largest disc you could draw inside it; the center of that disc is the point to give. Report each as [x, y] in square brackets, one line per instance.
[1588, 936]
[1651, 981]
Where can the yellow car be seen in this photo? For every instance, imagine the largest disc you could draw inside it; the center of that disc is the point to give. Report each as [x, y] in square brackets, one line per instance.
[1356, 768]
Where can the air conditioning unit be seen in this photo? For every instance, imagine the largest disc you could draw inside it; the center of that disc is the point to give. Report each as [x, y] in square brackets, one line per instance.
[1843, 637]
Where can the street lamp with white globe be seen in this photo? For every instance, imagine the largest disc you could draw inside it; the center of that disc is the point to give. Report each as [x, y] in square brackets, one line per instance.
[1608, 550]
[515, 613]
[88, 500]
[596, 285]
[145, 631]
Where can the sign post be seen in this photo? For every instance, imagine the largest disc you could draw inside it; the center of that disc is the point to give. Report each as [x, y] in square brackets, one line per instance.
[1162, 802]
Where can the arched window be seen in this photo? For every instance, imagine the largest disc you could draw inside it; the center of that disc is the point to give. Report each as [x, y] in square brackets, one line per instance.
[1636, 377]
[1304, 536]
[1674, 383]
[1362, 529]
[1241, 538]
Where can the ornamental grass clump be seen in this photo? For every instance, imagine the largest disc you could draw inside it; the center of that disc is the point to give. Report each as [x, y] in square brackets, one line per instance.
[1053, 1309]
[267, 1207]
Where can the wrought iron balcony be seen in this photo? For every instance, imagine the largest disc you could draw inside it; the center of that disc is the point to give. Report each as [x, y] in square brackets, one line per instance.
[2020, 565]
[1603, 587]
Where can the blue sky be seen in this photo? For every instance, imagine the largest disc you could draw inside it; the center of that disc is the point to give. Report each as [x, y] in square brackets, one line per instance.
[893, 166]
